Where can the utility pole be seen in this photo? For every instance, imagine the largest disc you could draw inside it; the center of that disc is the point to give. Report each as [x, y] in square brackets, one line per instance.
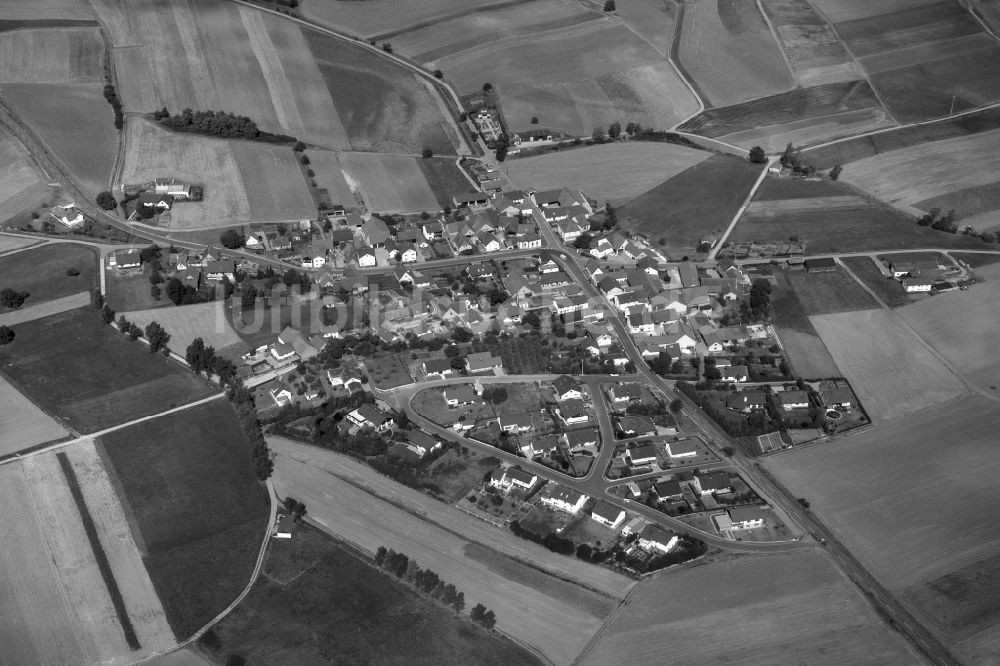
[952, 109]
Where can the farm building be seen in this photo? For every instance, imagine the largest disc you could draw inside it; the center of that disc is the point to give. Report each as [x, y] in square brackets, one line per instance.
[564, 499]
[902, 265]
[607, 514]
[917, 285]
[821, 265]
[283, 529]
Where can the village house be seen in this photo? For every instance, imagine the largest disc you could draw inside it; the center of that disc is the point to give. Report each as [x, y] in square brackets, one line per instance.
[438, 368]
[457, 396]
[734, 373]
[682, 449]
[539, 445]
[668, 490]
[635, 426]
[281, 396]
[746, 401]
[642, 455]
[625, 394]
[515, 423]
[513, 478]
[839, 397]
[125, 259]
[347, 379]
[421, 443]
[746, 517]
[793, 399]
[712, 482]
[563, 498]
[153, 200]
[654, 537]
[369, 416]
[483, 363]
[581, 439]
[607, 514]
[217, 270]
[366, 257]
[572, 412]
[566, 388]
[67, 215]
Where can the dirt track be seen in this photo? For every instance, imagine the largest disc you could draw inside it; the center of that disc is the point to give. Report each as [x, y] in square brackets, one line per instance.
[52, 307]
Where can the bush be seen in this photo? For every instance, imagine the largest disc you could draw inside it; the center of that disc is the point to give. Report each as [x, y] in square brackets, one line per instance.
[6, 335]
[427, 153]
[72, 271]
[231, 239]
[106, 200]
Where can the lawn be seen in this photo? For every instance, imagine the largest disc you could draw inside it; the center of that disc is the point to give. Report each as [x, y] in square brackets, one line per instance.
[615, 172]
[523, 356]
[200, 511]
[430, 404]
[125, 293]
[319, 602]
[696, 202]
[387, 371]
[43, 272]
[89, 377]
[915, 524]
[889, 290]
[788, 608]
[458, 472]
[444, 178]
[976, 260]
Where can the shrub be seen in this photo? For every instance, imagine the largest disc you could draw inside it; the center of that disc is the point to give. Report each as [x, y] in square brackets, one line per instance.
[72, 271]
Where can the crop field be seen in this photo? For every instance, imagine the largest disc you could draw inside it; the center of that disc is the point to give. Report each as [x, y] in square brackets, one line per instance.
[978, 206]
[614, 172]
[22, 424]
[275, 187]
[774, 138]
[829, 293]
[929, 170]
[806, 352]
[849, 10]
[894, 28]
[207, 321]
[555, 616]
[57, 597]
[962, 327]
[892, 373]
[52, 361]
[11, 243]
[195, 503]
[42, 271]
[46, 309]
[889, 290]
[798, 106]
[330, 176]
[430, 42]
[653, 19]
[729, 51]
[919, 524]
[389, 183]
[386, 17]
[990, 11]
[75, 123]
[57, 55]
[816, 54]
[789, 608]
[319, 602]
[773, 207]
[49, 11]
[692, 204]
[389, 109]
[576, 79]
[444, 178]
[21, 187]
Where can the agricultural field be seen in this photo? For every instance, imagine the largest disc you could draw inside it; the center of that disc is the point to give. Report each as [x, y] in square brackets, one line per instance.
[390, 109]
[22, 424]
[64, 602]
[556, 616]
[885, 287]
[815, 53]
[46, 309]
[43, 271]
[52, 362]
[389, 183]
[924, 528]
[378, 18]
[10, 243]
[48, 12]
[275, 187]
[790, 608]
[196, 506]
[890, 370]
[444, 178]
[330, 176]
[922, 172]
[977, 206]
[207, 321]
[807, 354]
[728, 50]
[828, 293]
[320, 602]
[75, 123]
[129, 293]
[21, 186]
[654, 20]
[576, 79]
[694, 203]
[53, 55]
[615, 172]
[990, 11]
[962, 325]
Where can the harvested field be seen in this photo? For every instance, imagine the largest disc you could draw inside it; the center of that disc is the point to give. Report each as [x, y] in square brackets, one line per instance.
[904, 57]
[889, 369]
[789, 608]
[967, 202]
[828, 293]
[888, 289]
[337, 608]
[653, 19]
[858, 148]
[199, 555]
[615, 172]
[389, 183]
[389, 514]
[389, 108]
[276, 189]
[849, 10]
[929, 170]
[774, 138]
[444, 178]
[729, 51]
[940, 87]
[576, 79]
[694, 203]
[21, 187]
[55, 55]
[989, 10]
[775, 188]
[75, 123]
[798, 105]
[22, 424]
[42, 273]
[918, 526]
[962, 327]
[207, 321]
[330, 176]
[10, 243]
[152, 151]
[907, 26]
[470, 31]
[383, 17]
[807, 354]
[52, 361]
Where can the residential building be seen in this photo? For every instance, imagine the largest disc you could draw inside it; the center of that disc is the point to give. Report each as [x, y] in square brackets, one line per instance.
[642, 455]
[462, 394]
[654, 537]
[635, 426]
[217, 270]
[607, 514]
[838, 397]
[67, 215]
[369, 416]
[746, 517]
[421, 443]
[668, 490]
[734, 373]
[515, 423]
[483, 362]
[125, 259]
[746, 401]
[793, 399]
[438, 368]
[707, 483]
[566, 388]
[539, 445]
[513, 478]
[563, 498]
[917, 285]
[625, 394]
[581, 439]
[821, 265]
[572, 412]
[685, 448]
[283, 527]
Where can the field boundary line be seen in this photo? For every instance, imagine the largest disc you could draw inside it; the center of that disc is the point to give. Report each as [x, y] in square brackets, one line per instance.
[971, 8]
[447, 16]
[674, 54]
[777, 40]
[742, 209]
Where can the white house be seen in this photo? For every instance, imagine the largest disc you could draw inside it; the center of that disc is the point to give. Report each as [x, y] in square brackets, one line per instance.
[283, 528]
[455, 396]
[566, 388]
[366, 257]
[746, 517]
[607, 514]
[512, 478]
[367, 415]
[67, 215]
[564, 499]
[917, 285]
[420, 443]
[572, 412]
[642, 455]
[515, 423]
[682, 449]
[654, 537]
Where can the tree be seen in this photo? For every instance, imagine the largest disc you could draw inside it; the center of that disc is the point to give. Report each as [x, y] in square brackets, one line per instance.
[232, 239]
[123, 324]
[835, 172]
[249, 296]
[615, 130]
[387, 47]
[789, 158]
[598, 134]
[427, 153]
[534, 120]
[175, 290]
[12, 299]
[380, 556]
[107, 201]
[438, 74]
[299, 147]
[487, 87]
[290, 277]
[193, 355]
[107, 314]
[609, 5]
[158, 338]
[676, 405]
[134, 332]
[459, 602]
[477, 612]
[461, 334]
[495, 394]
[6, 335]
[304, 159]
[584, 241]
[758, 156]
